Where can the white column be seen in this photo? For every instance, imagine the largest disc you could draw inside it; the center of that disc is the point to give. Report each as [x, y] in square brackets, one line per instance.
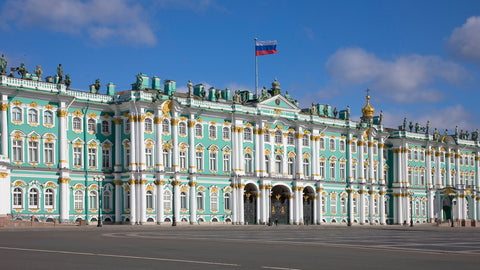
[380, 167]
[351, 214]
[349, 159]
[4, 127]
[261, 133]
[258, 196]
[448, 175]
[362, 206]
[191, 145]
[258, 152]
[361, 163]
[63, 150]
[158, 143]
[118, 199]
[320, 205]
[241, 156]
[241, 203]
[298, 147]
[457, 169]
[193, 200]
[371, 210]
[290, 208]
[141, 141]
[262, 203]
[64, 199]
[118, 145]
[143, 201]
[315, 210]
[175, 150]
[300, 206]
[431, 205]
[133, 208]
[234, 202]
[371, 179]
[159, 209]
[296, 208]
[382, 207]
[133, 143]
[176, 199]
[429, 168]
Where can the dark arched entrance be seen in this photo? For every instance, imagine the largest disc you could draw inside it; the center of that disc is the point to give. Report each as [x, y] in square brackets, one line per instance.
[308, 196]
[250, 204]
[447, 208]
[279, 205]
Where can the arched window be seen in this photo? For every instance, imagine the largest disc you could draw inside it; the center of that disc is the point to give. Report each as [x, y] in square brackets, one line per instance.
[212, 132]
[354, 148]
[324, 204]
[321, 143]
[105, 158]
[226, 133]
[32, 115]
[291, 165]
[333, 204]
[127, 199]
[214, 201]
[247, 134]
[105, 126]
[226, 202]
[213, 161]
[341, 146]
[91, 125]
[49, 199]
[342, 170]
[149, 198]
[343, 205]
[322, 168]
[306, 141]
[306, 167]
[182, 129]
[77, 124]
[33, 198]
[375, 206]
[78, 200]
[226, 162]
[331, 144]
[48, 118]
[198, 130]
[200, 201]
[290, 138]
[33, 154]
[266, 136]
[278, 136]
[167, 200]
[332, 169]
[267, 164]
[92, 200]
[278, 164]
[199, 160]
[166, 158]
[149, 157]
[127, 125]
[148, 125]
[417, 208]
[17, 198]
[183, 159]
[248, 163]
[424, 208]
[183, 200]
[355, 205]
[17, 114]
[106, 202]
[165, 126]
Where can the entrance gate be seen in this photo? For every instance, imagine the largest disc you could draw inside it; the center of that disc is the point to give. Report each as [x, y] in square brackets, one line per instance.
[250, 204]
[308, 195]
[447, 208]
[279, 205]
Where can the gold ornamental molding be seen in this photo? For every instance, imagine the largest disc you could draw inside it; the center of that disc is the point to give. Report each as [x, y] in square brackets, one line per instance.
[371, 144]
[117, 121]
[159, 182]
[192, 184]
[63, 180]
[362, 191]
[319, 189]
[371, 192]
[382, 193]
[3, 175]
[131, 181]
[62, 113]
[117, 182]
[176, 182]
[4, 106]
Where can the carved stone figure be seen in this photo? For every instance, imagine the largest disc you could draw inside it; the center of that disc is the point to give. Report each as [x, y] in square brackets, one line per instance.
[405, 123]
[22, 70]
[380, 118]
[335, 112]
[456, 131]
[68, 81]
[237, 98]
[475, 135]
[461, 134]
[411, 126]
[202, 93]
[435, 135]
[97, 85]
[348, 112]
[190, 88]
[139, 83]
[417, 127]
[444, 135]
[427, 130]
[313, 109]
[265, 95]
[3, 65]
[60, 73]
[467, 134]
[217, 94]
[39, 73]
[325, 110]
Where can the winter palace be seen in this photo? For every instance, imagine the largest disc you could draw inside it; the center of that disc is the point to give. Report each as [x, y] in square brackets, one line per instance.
[154, 155]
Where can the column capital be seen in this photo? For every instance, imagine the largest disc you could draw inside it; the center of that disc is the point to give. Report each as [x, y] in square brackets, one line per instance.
[62, 113]
[63, 180]
[4, 106]
[117, 121]
[117, 182]
[192, 184]
[159, 182]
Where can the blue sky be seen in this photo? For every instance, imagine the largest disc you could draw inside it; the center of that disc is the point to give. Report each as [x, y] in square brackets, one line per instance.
[419, 58]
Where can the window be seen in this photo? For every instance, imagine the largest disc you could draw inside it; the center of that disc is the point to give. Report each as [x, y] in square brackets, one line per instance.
[182, 129]
[200, 201]
[322, 169]
[306, 167]
[17, 198]
[278, 136]
[332, 169]
[212, 132]
[343, 205]
[322, 143]
[92, 200]
[127, 199]
[127, 125]
[416, 177]
[33, 152]
[354, 171]
[32, 116]
[267, 164]
[105, 157]
[77, 156]
[149, 157]
[105, 126]
[148, 125]
[183, 160]
[127, 156]
[183, 200]
[92, 157]
[342, 171]
[48, 118]
[165, 126]
[167, 200]
[333, 204]
[198, 130]
[353, 148]
[78, 200]
[306, 141]
[291, 166]
[410, 177]
[248, 163]
[226, 202]
[341, 146]
[375, 206]
[17, 114]
[415, 155]
[422, 156]
[290, 139]
[91, 125]
[417, 208]
[375, 149]
[33, 198]
[278, 164]
[364, 149]
[226, 162]
[331, 144]
[213, 161]
[48, 198]
[77, 124]
[247, 134]
[214, 201]
[199, 160]
[166, 158]
[48, 152]
[106, 202]
[432, 157]
[266, 136]
[226, 133]
[324, 204]
[355, 206]
[442, 157]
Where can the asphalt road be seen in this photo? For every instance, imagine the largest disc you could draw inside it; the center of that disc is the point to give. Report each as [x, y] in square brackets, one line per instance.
[240, 247]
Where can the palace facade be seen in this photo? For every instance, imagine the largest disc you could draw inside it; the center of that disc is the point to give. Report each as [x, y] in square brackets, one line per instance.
[152, 154]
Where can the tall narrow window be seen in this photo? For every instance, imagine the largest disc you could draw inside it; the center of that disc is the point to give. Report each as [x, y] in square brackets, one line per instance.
[322, 169]
[105, 157]
[226, 162]
[127, 125]
[199, 160]
[278, 136]
[167, 200]
[49, 203]
[290, 138]
[182, 129]
[324, 204]
[106, 201]
[165, 126]
[355, 206]
[77, 156]
[17, 198]
[48, 118]
[226, 133]
[149, 157]
[331, 144]
[247, 134]
[33, 198]
[342, 171]
[105, 126]
[291, 166]
[305, 140]
[183, 160]
[183, 200]
[212, 132]
[92, 125]
[353, 148]
[354, 171]
[278, 164]
[32, 116]
[127, 156]
[333, 204]
[341, 146]
[248, 163]
[306, 167]
[148, 125]
[375, 206]
[17, 114]
[198, 130]
[214, 201]
[213, 161]
[78, 200]
[321, 143]
[149, 198]
[92, 200]
[48, 152]
[33, 152]
[226, 202]
[127, 199]
[343, 205]
[200, 201]
[266, 136]
[92, 157]
[77, 124]
[267, 164]
[332, 169]
[166, 158]
[424, 208]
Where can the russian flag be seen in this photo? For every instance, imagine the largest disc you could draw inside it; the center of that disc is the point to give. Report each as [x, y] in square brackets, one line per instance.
[265, 47]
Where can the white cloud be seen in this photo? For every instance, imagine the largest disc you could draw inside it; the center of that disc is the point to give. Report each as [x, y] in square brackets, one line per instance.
[406, 79]
[465, 40]
[101, 20]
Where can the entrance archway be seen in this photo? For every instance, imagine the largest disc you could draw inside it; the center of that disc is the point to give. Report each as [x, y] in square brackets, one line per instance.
[280, 205]
[447, 208]
[308, 195]
[250, 204]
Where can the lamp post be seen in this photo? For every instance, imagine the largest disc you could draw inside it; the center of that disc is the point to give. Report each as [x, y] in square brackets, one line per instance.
[99, 179]
[411, 208]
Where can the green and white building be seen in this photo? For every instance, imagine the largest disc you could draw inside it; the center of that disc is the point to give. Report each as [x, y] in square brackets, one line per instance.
[151, 154]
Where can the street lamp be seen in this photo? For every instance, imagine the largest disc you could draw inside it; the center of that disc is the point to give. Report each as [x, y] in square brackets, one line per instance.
[411, 208]
[99, 179]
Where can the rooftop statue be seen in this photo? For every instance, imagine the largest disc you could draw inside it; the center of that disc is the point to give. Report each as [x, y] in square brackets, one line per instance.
[217, 94]
[417, 127]
[436, 135]
[237, 97]
[461, 134]
[264, 95]
[97, 85]
[289, 98]
[325, 110]
[202, 92]
[411, 126]
[3, 65]
[22, 70]
[60, 73]
[405, 123]
[68, 81]
[313, 109]
[190, 88]
[380, 119]
[475, 135]
[335, 112]
[348, 112]
[139, 83]
[39, 73]
[456, 131]
[427, 129]
[467, 135]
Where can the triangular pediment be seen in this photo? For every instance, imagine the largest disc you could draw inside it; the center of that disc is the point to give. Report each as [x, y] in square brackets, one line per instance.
[278, 102]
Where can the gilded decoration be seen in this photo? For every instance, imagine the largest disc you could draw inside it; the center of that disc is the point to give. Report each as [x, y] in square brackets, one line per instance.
[3, 175]
[77, 113]
[17, 103]
[4, 107]
[167, 107]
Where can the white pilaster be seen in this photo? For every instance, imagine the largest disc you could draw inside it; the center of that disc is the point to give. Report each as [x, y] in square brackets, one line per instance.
[176, 199]
[143, 201]
[193, 201]
[133, 207]
[159, 207]
[4, 128]
[118, 198]
[290, 208]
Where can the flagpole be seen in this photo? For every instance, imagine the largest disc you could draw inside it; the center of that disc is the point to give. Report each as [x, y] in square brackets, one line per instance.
[256, 71]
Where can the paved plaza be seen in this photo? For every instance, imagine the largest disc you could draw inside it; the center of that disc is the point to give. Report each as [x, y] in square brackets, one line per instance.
[240, 247]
